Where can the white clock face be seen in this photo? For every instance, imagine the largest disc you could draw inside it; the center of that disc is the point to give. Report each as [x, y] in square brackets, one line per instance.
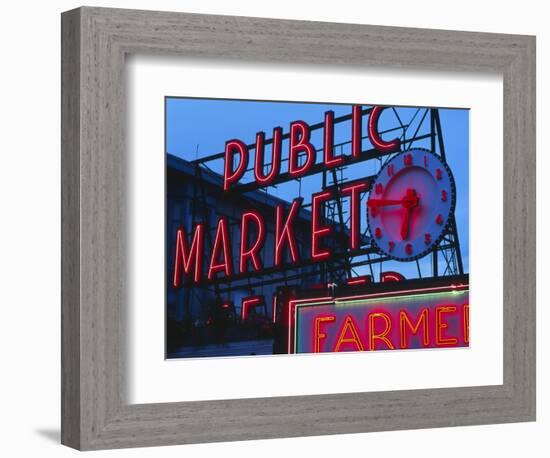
[410, 204]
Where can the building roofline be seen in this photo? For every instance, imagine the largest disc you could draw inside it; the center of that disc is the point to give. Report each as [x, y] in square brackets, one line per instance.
[263, 198]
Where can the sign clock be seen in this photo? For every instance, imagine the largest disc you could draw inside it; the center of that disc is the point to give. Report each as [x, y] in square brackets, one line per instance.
[411, 204]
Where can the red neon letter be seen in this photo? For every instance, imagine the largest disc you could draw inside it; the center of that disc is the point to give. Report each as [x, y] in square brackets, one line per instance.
[318, 334]
[299, 142]
[440, 325]
[275, 157]
[230, 176]
[274, 309]
[356, 128]
[251, 252]
[466, 323]
[374, 136]
[284, 233]
[405, 320]
[373, 335]
[249, 303]
[185, 258]
[330, 160]
[349, 325]
[354, 191]
[221, 241]
[318, 231]
[389, 275]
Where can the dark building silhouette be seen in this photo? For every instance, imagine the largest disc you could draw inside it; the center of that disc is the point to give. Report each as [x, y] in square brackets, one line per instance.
[210, 313]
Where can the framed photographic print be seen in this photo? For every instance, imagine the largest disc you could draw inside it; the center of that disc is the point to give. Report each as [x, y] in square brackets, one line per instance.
[248, 244]
[284, 228]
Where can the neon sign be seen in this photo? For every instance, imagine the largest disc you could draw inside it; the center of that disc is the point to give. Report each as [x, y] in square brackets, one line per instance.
[189, 265]
[407, 319]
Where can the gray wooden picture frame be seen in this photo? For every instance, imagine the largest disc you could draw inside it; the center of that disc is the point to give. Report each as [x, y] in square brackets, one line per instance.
[95, 413]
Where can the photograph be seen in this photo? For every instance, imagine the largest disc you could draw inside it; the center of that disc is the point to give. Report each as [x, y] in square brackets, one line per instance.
[297, 227]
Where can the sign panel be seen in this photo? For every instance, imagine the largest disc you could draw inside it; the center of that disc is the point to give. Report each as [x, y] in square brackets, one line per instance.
[436, 317]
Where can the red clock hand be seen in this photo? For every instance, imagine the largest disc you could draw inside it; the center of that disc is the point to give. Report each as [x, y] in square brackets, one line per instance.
[405, 225]
[383, 202]
[411, 199]
[409, 202]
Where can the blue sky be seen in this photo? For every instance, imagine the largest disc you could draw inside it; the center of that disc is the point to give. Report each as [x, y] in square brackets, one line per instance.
[200, 127]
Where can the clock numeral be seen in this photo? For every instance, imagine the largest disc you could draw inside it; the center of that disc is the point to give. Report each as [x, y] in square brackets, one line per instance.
[378, 233]
[425, 161]
[439, 219]
[408, 248]
[391, 170]
[427, 238]
[391, 244]
[374, 212]
[438, 174]
[444, 195]
[378, 188]
[408, 159]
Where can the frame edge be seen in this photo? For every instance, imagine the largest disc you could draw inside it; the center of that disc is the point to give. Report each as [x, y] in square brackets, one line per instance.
[70, 228]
